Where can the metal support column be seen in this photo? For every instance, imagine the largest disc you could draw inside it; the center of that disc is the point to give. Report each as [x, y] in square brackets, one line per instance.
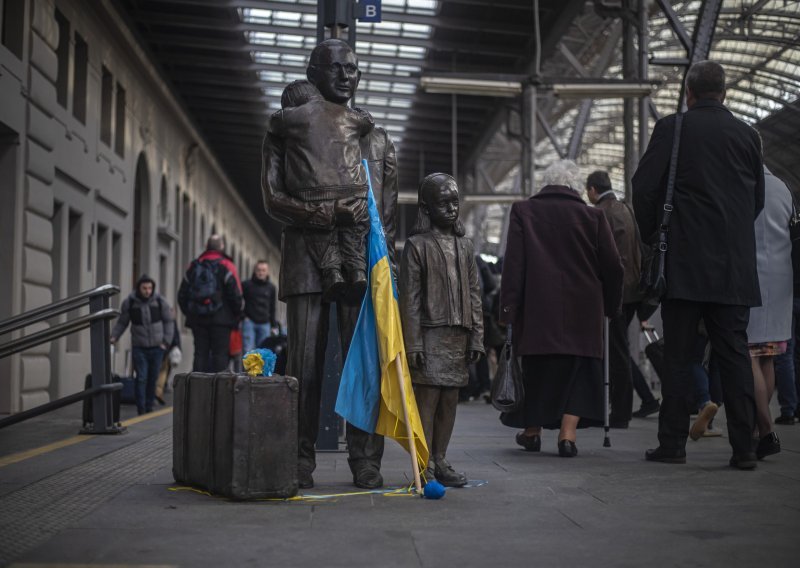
[454, 135]
[337, 16]
[529, 140]
[644, 102]
[629, 68]
[701, 40]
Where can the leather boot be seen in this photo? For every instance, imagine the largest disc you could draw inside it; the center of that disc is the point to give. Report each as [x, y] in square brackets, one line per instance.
[447, 476]
[368, 478]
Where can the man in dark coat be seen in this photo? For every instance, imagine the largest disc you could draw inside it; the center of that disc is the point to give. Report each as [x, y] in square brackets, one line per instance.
[259, 307]
[210, 297]
[626, 237]
[711, 260]
[333, 69]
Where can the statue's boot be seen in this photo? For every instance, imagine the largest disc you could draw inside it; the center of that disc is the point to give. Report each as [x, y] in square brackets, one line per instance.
[447, 476]
[304, 479]
[368, 477]
[333, 285]
[356, 287]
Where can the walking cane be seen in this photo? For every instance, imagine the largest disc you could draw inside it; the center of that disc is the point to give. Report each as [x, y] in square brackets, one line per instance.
[606, 440]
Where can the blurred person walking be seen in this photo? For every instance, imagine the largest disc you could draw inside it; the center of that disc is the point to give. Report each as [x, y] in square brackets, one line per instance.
[172, 358]
[711, 257]
[626, 236]
[259, 307]
[770, 325]
[152, 327]
[561, 275]
[210, 297]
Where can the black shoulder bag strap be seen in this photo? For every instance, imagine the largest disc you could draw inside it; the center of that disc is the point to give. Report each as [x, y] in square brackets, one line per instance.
[673, 170]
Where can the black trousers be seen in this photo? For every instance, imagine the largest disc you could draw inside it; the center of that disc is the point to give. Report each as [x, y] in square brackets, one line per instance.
[307, 319]
[619, 364]
[211, 348]
[727, 331]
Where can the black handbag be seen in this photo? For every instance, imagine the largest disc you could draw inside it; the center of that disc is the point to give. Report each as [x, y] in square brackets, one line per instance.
[508, 394]
[653, 281]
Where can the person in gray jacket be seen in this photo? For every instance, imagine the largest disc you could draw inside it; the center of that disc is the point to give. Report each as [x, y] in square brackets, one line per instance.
[152, 327]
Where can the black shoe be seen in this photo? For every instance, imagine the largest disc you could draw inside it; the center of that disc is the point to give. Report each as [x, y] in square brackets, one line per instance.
[746, 461]
[785, 419]
[368, 478]
[665, 455]
[618, 424]
[305, 480]
[530, 443]
[447, 476]
[647, 409]
[567, 449]
[768, 445]
[161, 401]
[333, 285]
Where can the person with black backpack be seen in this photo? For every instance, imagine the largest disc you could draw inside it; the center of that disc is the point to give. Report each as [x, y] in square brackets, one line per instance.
[152, 328]
[210, 297]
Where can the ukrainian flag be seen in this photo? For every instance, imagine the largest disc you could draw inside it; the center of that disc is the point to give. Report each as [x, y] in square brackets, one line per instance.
[370, 397]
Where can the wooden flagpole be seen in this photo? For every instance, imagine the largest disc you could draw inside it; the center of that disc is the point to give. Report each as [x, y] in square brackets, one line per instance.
[412, 446]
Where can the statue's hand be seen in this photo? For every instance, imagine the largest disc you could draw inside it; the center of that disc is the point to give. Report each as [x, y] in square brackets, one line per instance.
[473, 356]
[350, 211]
[322, 215]
[416, 360]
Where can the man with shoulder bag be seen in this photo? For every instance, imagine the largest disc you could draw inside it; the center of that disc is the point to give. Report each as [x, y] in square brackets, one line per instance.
[698, 206]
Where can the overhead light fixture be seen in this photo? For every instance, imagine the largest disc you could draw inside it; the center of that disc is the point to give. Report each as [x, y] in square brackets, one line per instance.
[602, 90]
[477, 87]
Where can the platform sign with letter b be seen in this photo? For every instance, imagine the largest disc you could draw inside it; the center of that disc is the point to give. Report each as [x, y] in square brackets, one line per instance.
[369, 11]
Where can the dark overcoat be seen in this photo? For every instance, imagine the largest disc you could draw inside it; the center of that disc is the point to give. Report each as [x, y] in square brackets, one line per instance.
[561, 274]
[719, 191]
[626, 237]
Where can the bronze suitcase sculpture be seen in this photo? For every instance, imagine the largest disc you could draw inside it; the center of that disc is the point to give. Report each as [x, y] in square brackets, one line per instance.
[236, 435]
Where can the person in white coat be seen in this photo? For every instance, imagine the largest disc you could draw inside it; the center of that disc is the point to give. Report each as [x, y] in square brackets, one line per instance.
[770, 324]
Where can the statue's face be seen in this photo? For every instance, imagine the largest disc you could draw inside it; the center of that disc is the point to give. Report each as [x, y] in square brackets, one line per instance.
[442, 205]
[336, 75]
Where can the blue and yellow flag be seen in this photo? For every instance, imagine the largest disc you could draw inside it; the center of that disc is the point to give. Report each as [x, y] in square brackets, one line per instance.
[369, 393]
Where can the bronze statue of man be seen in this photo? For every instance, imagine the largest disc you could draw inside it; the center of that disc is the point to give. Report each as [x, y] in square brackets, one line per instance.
[333, 70]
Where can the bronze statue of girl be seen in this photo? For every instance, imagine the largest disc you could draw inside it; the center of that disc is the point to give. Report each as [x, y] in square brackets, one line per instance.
[440, 304]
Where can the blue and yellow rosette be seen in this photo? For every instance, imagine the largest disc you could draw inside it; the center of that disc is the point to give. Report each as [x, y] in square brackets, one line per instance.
[259, 362]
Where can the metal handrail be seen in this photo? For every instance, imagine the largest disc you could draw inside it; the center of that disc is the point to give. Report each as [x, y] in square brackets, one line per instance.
[56, 308]
[61, 402]
[55, 332]
[97, 320]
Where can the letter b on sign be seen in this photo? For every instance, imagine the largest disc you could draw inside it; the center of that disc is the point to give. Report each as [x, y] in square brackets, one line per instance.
[370, 11]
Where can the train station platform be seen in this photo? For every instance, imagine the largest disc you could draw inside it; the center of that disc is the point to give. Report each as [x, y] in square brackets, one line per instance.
[111, 501]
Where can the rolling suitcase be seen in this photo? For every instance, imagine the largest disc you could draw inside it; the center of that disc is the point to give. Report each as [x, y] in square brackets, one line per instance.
[236, 435]
[655, 352]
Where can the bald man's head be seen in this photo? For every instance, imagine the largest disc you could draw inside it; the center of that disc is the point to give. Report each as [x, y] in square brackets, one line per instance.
[215, 242]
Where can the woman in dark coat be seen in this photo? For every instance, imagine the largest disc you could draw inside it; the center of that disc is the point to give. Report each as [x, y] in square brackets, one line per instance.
[561, 275]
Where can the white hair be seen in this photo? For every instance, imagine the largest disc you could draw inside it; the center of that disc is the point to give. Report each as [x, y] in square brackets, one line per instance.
[562, 172]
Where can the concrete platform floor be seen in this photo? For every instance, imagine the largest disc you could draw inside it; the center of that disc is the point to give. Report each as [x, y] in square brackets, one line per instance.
[107, 501]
